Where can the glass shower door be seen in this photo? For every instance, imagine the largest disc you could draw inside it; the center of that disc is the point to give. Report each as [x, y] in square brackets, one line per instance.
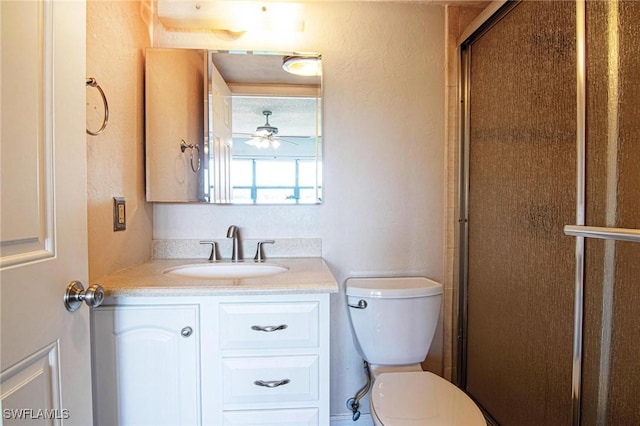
[521, 192]
[521, 265]
[611, 349]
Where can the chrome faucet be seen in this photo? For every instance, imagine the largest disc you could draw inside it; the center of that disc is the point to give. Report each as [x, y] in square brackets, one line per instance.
[234, 232]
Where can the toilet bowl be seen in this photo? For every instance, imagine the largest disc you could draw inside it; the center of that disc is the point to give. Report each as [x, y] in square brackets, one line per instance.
[393, 321]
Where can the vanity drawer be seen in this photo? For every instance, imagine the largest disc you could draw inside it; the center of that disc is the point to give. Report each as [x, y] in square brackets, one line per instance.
[270, 379]
[291, 417]
[269, 325]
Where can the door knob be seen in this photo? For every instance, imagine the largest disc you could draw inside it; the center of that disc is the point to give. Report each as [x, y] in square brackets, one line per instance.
[76, 294]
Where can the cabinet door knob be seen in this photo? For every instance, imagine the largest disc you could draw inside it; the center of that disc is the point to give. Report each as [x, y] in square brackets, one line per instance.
[186, 332]
[269, 328]
[271, 383]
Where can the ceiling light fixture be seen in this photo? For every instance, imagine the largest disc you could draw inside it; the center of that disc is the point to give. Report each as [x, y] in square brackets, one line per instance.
[263, 142]
[234, 17]
[302, 65]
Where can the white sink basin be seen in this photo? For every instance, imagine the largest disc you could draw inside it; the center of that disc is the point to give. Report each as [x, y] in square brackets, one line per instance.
[213, 271]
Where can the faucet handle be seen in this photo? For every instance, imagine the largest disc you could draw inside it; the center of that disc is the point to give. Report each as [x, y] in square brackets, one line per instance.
[259, 257]
[213, 257]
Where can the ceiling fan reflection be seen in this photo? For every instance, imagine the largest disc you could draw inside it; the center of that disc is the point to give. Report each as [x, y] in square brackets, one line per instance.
[266, 136]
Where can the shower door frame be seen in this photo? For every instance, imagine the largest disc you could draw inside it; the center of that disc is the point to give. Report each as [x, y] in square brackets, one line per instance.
[487, 19]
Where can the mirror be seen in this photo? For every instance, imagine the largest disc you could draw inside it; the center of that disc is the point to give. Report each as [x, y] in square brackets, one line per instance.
[232, 127]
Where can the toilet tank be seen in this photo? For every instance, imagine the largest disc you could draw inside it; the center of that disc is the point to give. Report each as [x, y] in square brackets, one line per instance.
[393, 319]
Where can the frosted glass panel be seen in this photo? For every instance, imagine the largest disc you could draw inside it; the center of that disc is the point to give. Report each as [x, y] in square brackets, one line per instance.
[611, 367]
[521, 194]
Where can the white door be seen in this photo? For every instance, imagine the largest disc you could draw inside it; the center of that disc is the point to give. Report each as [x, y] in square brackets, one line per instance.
[45, 356]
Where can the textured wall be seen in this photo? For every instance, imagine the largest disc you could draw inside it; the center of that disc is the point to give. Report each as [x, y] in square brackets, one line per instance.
[116, 38]
[384, 185]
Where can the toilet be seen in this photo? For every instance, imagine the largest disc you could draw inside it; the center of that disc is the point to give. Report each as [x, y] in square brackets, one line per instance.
[394, 320]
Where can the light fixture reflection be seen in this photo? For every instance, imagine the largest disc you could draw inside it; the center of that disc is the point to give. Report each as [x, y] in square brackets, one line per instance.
[302, 65]
[264, 142]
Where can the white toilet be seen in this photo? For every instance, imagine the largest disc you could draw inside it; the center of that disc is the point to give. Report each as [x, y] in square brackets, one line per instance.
[394, 320]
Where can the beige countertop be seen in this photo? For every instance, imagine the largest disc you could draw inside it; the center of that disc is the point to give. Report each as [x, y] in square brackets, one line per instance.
[304, 275]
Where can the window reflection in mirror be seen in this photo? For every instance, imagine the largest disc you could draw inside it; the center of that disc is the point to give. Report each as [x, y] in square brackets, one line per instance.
[280, 167]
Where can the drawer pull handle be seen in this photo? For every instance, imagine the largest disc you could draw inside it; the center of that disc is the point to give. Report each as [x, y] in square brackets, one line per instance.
[271, 383]
[269, 328]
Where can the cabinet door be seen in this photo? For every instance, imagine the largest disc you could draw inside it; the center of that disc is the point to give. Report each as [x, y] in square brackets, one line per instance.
[146, 363]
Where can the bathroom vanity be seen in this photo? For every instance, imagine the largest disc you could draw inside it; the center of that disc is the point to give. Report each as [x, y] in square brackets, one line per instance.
[172, 350]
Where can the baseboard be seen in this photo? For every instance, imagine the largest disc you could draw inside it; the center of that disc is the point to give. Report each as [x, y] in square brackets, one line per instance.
[347, 420]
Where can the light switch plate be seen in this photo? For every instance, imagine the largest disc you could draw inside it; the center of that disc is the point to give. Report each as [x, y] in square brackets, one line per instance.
[119, 214]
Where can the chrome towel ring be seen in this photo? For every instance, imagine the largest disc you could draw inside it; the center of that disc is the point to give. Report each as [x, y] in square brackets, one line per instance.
[93, 83]
[184, 146]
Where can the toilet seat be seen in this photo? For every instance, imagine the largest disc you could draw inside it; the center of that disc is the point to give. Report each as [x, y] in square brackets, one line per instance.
[421, 399]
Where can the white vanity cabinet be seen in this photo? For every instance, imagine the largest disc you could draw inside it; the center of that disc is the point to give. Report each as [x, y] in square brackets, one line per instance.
[213, 360]
[146, 365]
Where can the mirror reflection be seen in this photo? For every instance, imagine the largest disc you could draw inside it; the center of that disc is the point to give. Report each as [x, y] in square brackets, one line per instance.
[256, 140]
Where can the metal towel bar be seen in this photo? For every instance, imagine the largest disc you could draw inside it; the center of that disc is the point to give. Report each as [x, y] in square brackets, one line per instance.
[621, 234]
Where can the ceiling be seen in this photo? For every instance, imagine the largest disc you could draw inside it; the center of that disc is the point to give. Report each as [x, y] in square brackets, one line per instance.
[292, 116]
[248, 67]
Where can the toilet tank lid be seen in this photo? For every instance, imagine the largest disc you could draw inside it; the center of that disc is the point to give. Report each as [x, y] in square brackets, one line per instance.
[392, 287]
